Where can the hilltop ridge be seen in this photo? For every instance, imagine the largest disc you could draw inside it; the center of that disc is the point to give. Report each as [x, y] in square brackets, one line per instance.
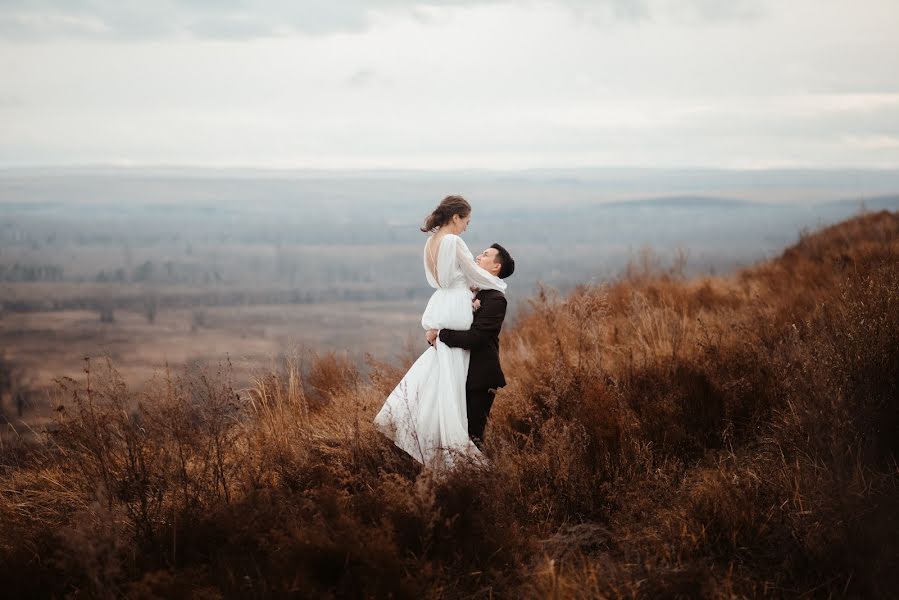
[660, 436]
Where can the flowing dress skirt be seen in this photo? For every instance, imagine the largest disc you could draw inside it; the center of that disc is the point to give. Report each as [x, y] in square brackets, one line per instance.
[425, 415]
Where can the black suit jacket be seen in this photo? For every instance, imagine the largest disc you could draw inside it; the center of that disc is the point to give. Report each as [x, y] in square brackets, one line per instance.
[484, 370]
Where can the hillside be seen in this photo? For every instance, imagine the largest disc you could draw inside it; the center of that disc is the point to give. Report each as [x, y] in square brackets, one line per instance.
[661, 436]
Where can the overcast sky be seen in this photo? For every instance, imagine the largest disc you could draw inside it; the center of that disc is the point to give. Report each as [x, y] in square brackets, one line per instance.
[448, 84]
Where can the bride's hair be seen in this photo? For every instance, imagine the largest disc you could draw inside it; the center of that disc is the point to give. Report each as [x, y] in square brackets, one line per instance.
[443, 214]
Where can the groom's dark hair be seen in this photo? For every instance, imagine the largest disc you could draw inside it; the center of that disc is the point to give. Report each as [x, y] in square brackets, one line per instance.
[507, 263]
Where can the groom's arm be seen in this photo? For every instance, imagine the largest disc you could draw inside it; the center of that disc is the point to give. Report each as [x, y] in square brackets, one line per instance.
[486, 325]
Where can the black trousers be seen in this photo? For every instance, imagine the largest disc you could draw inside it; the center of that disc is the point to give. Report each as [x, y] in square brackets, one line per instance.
[478, 403]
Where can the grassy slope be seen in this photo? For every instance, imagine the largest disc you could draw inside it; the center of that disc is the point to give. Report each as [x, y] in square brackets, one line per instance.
[660, 437]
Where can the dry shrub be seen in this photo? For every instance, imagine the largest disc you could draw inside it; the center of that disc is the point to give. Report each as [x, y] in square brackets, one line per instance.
[330, 374]
[93, 546]
[383, 376]
[280, 423]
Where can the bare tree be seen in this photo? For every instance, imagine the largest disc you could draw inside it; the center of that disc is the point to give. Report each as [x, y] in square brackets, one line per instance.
[151, 306]
[12, 385]
[106, 310]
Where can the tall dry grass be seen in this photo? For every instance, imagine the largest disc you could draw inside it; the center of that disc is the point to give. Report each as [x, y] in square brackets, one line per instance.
[660, 437]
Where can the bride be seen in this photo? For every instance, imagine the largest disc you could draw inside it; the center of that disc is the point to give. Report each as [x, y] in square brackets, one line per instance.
[425, 415]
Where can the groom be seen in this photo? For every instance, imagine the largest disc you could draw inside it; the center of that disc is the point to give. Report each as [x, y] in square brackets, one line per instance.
[484, 372]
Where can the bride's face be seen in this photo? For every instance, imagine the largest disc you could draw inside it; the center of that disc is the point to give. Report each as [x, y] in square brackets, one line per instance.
[460, 224]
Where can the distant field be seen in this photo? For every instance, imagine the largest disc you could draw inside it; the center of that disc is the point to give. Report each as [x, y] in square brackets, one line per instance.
[45, 345]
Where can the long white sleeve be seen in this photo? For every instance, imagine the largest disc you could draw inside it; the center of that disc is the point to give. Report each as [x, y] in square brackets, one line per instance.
[476, 276]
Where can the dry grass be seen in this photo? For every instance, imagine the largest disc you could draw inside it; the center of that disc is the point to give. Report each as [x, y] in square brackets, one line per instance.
[660, 437]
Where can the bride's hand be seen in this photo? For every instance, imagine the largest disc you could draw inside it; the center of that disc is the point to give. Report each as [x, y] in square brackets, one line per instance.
[475, 305]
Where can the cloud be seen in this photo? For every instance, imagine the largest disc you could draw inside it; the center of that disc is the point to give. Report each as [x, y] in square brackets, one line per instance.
[873, 142]
[228, 19]
[364, 78]
[11, 101]
[470, 83]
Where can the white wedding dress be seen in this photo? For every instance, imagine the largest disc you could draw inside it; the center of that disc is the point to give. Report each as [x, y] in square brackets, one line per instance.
[425, 415]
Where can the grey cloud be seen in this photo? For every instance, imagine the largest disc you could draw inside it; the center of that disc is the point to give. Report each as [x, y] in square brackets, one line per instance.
[231, 26]
[11, 101]
[28, 19]
[863, 123]
[363, 78]
[716, 10]
[118, 19]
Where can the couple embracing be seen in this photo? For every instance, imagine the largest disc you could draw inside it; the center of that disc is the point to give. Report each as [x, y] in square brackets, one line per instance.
[438, 412]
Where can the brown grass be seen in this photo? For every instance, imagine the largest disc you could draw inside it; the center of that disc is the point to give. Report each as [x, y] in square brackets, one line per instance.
[660, 437]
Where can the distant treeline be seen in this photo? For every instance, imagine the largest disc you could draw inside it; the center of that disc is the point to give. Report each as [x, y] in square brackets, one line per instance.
[137, 300]
[320, 251]
[27, 272]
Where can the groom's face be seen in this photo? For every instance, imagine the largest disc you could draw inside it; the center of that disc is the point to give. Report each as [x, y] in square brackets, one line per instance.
[487, 261]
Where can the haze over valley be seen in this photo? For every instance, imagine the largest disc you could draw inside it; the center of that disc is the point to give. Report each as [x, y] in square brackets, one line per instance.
[184, 265]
